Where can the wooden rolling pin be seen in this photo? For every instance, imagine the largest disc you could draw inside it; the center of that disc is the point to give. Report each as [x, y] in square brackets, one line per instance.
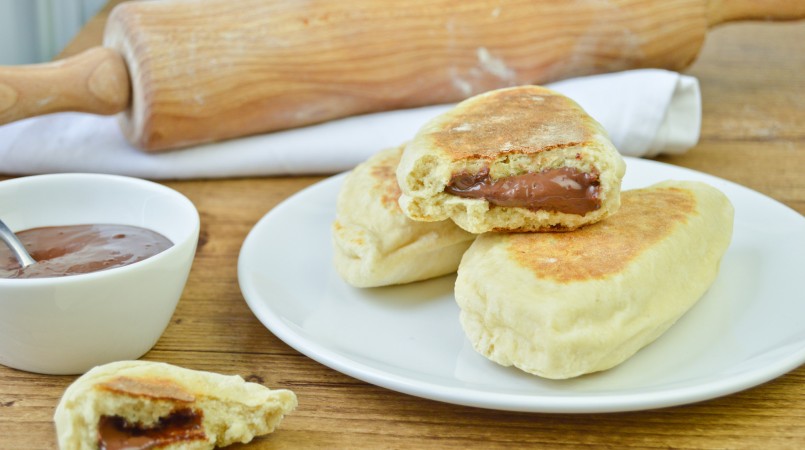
[185, 72]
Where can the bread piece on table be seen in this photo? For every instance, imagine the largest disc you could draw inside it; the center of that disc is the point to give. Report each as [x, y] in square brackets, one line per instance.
[559, 305]
[375, 244]
[516, 159]
[133, 404]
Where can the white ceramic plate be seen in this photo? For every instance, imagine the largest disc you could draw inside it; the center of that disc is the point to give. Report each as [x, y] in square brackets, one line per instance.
[746, 330]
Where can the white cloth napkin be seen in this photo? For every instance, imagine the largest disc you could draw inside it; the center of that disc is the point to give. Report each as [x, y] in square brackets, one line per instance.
[646, 112]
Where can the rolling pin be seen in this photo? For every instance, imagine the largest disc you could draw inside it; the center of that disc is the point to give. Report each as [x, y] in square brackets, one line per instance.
[184, 72]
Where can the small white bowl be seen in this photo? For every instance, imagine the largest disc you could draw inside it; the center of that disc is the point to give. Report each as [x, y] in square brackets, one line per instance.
[67, 325]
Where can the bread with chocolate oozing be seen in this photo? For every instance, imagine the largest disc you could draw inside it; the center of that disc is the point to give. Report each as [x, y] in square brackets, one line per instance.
[516, 159]
[142, 404]
[560, 305]
[375, 244]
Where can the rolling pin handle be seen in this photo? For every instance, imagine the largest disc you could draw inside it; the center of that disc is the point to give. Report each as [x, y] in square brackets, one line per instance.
[720, 11]
[95, 81]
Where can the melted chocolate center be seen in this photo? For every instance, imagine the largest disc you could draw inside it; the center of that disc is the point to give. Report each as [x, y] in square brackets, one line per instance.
[565, 190]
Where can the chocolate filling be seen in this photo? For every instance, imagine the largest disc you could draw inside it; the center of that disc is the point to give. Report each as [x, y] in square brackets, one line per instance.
[566, 190]
[115, 433]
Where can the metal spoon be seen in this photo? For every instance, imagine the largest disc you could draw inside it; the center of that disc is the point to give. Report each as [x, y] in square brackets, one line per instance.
[15, 245]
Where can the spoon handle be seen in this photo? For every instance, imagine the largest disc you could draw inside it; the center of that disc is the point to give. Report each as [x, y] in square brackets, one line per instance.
[15, 245]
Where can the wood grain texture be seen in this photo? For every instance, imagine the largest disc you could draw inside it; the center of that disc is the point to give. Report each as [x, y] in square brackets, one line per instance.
[95, 81]
[753, 133]
[220, 69]
[720, 11]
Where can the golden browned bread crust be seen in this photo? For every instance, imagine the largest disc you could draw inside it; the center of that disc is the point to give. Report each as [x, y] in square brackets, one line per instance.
[384, 178]
[645, 217]
[375, 244]
[529, 119]
[144, 394]
[161, 388]
[524, 131]
[560, 305]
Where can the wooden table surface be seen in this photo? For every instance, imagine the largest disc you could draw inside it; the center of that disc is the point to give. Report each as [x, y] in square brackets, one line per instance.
[753, 132]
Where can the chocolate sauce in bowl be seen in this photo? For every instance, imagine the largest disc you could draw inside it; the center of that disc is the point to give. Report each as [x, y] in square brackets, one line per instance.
[76, 249]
